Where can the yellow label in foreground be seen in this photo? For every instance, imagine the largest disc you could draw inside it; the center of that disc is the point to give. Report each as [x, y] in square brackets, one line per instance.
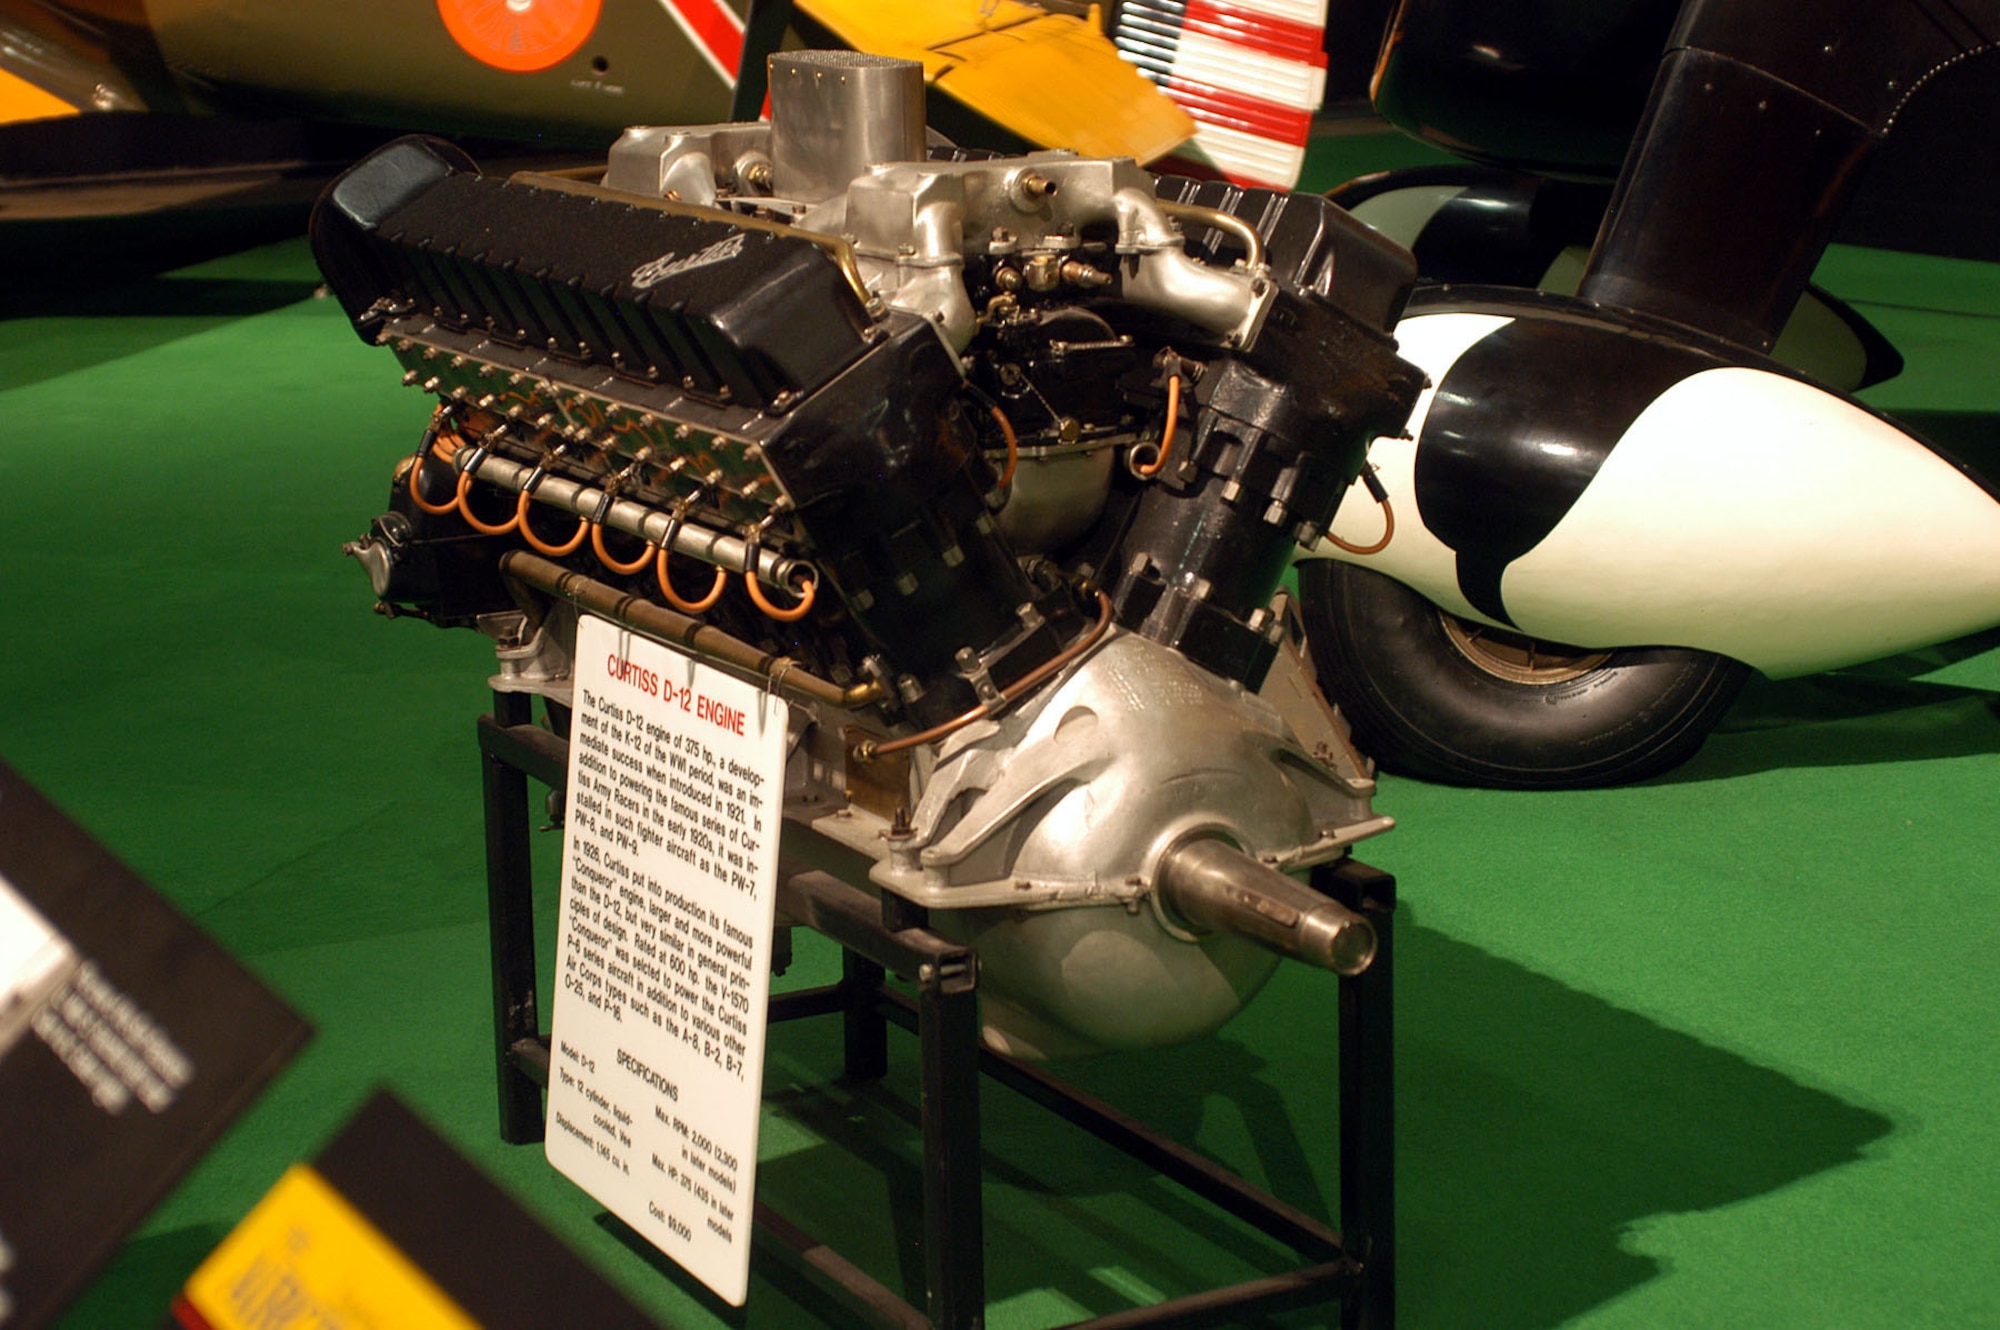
[305, 1259]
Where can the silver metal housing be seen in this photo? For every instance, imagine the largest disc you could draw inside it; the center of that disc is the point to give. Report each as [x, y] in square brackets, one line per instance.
[1039, 837]
[845, 155]
[835, 114]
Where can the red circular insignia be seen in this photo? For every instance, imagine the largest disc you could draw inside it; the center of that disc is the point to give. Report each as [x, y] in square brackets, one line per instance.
[520, 35]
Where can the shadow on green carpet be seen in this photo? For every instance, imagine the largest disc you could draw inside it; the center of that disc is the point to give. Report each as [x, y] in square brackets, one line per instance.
[48, 334]
[1849, 718]
[1538, 1125]
[772, 1278]
[131, 321]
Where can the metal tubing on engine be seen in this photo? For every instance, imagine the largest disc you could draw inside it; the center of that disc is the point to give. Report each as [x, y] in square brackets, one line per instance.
[1214, 886]
[665, 625]
[632, 517]
[1253, 243]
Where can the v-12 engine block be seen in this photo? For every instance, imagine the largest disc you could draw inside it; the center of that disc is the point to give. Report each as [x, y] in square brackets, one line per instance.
[992, 465]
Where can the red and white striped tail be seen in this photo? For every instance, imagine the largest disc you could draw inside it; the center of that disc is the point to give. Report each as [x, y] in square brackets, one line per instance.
[716, 31]
[1249, 72]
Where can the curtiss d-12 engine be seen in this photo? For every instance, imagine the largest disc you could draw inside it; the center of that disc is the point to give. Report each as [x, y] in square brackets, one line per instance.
[991, 465]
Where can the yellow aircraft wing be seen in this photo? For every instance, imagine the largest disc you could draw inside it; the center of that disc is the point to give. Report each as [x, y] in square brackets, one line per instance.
[1054, 79]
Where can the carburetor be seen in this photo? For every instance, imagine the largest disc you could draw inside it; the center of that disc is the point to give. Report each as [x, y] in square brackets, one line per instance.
[991, 465]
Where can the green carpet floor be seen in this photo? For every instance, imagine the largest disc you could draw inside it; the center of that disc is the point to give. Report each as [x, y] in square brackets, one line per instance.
[1720, 1050]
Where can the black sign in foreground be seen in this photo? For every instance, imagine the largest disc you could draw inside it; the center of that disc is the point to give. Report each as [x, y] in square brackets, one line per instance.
[128, 1040]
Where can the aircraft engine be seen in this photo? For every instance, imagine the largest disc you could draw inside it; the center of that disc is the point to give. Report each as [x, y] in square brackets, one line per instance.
[991, 465]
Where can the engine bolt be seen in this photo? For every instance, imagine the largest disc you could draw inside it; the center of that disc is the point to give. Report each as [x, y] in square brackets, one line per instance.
[1078, 273]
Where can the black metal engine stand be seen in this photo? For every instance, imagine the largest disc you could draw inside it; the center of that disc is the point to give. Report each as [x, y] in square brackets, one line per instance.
[1355, 1266]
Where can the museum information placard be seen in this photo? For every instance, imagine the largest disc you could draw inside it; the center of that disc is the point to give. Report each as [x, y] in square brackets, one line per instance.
[663, 954]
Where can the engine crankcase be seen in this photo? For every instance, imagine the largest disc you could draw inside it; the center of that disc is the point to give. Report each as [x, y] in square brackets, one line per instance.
[1072, 805]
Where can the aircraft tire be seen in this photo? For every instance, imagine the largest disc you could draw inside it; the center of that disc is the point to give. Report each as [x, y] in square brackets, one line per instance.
[1444, 699]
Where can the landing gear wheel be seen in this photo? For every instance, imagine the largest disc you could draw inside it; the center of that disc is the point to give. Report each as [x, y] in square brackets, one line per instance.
[1444, 699]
